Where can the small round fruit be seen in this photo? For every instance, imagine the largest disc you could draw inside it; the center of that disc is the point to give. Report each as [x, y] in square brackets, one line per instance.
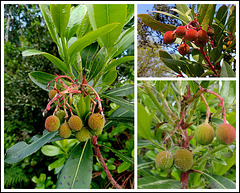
[183, 49]
[202, 35]
[199, 43]
[181, 30]
[75, 123]
[225, 133]
[52, 93]
[52, 123]
[96, 132]
[96, 121]
[169, 37]
[191, 35]
[64, 131]
[224, 47]
[229, 43]
[210, 32]
[60, 114]
[183, 160]
[83, 134]
[204, 134]
[164, 160]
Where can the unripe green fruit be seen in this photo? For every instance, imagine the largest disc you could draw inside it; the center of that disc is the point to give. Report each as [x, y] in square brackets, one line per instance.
[181, 30]
[52, 123]
[70, 100]
[64, 131]
[202, 35]
[199, 43]
[204, 134]
[210, 32]
[96, 121]
[75, 123]
[169, 37]
[225, 133]
[191, 34]
[96, 132]
[183, 160]
[60, 114]
[83, 134]
[183, 49]
[164, 160]
[52, 93]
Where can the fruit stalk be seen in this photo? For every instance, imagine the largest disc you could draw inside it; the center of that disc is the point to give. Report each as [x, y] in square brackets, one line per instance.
[103, 164]
[184, 180]
[208, 109]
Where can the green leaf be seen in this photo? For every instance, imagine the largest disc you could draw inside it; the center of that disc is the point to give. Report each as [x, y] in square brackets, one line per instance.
[154, 24]
[89, 38]
[123, 167]
[84, 27]
[121, 91]
[164, 56]
[183, 8]
[103, 14]
[120, 101]
[56, 164]
[21, 150]
[144, 122]
[130, 13]
[115, 62]
[228, 92]
[81, 106]
[77, 16]
[41, 78]
[152, 182]
[172, 16]
[226, 70]
[222, 14]
[77, 172]
[57, 62]
[60, 14]
[51, 150]
[219, 182]
[120, 155]
[208, 16]
[49, 21]
[109, 77]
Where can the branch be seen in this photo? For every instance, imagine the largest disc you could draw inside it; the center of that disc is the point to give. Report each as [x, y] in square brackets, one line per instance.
[103, 164]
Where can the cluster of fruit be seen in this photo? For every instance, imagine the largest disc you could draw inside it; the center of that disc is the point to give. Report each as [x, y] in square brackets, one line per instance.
[204, 135]
[191, 32]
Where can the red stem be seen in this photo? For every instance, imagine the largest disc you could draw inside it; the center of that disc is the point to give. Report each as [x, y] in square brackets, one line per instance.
[184, 180]
[103, 164]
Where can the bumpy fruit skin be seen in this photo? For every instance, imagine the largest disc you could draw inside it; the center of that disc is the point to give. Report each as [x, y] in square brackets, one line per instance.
[52, 93]
[183, 160]
[210, 32]
[202, 35]
[52, 123]
[199, 43]
[164, 160]
[60, 114]
[96, 132]
[204, 134]
[75, 123]
[191, 34]
[169, 37]
[225, 133]
[183, 49]
[181, 30]
[64, 131]
[96, 121]
[83, 134]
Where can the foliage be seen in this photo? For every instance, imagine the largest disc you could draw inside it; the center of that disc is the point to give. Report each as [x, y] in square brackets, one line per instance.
[168, 115]
[89, 50]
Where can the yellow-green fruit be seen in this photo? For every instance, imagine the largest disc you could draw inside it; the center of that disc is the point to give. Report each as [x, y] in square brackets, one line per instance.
[52, 123]
[204, 134]
[164, 160]
[183, 160]
[75, 123]
[64, 131]
[225, 133]
[83, 134]
[70, 100]
[96, 132]
[96, 121]
[60, 114]
[52, 93]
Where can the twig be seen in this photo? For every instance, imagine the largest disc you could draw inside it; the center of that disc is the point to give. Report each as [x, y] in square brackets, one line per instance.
[208, 109]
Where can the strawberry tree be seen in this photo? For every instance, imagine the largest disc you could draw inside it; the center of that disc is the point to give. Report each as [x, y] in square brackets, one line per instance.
[206, 38]
[91, 41]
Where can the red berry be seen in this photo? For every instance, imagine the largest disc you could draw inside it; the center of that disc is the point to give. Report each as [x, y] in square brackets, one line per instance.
[181, 30]
[202, 35]
[199, 43]
[191, 34]
[169, 37]
[210, 32]
[183, 49]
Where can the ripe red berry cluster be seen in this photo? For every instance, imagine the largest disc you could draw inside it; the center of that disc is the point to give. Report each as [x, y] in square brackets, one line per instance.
[191, 32]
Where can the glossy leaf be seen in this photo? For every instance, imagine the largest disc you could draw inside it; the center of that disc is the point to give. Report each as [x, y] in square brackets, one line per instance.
[121, 91]
[226, 70]
[164, 55]
[130, 12]
[89, 38]
[183, 8]
[77, 16]
[118, 61]
[109, 77]
[172, 16]
[219, 182]
[56, 164]
[57, 62]
[123, 167]
[51, 150]
[21, 150]
[60, 14]
[228, 92]
[77, 171]
[208, 13]
[84, 27]
[144, 122]
[154, 24]
[104, 14]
